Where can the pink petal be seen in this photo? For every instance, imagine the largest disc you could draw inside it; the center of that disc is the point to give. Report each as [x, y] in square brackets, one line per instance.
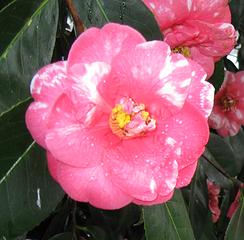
[101, 45]
[206, 62]
[46, 87]
[211, 11]
[221, 38]
[36, 119]
[158, 200]
[84, 91]
[182, 35]
[92, 185]
[190, 131]
[169, 12]
[149, 74]
[70, 141]
[47, 84]
[201, 94]
[185, 175]
[144, 167]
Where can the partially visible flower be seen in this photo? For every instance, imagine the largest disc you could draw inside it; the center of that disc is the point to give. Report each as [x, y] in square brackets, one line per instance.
[200, 30]
[123, 120]
[236, 203]
[228, 111]
[213, 200]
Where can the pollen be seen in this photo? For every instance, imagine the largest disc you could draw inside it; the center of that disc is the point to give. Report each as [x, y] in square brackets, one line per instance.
[228, 103]
[121, 117]
[145, 115]
[185, 51]
[129, 119]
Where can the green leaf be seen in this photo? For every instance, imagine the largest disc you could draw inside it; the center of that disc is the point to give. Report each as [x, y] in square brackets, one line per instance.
[129, 12]
[14, 137]
[28, 194]
[236, 225]
[214, 175]
[168, 221]
[230, 66]
[221, 153]
[28, 34]
[236, 143]
[198, 205]
[218, 75]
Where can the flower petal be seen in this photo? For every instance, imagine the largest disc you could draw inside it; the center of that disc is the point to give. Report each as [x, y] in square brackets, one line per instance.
[91, 185]
[185, 175]
[143, 167]
[169, 12]
[46, 87]
[158, 200]
[149, 73]
[190, 131]
[47, 84]
[101, 45]
[201, 93]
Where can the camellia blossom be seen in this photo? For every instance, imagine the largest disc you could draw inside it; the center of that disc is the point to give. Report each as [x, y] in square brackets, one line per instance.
[228, 110]
[200, 30]
[213, 200]
[123, 120]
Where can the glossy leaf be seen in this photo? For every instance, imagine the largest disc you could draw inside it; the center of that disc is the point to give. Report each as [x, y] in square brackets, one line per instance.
[28, 194]
[130, 12]
[168, 221]
[198, 205]
[218, 76]
[221, 153]
[28, 34]
[236, 143]
[236, 225]
[14, 137]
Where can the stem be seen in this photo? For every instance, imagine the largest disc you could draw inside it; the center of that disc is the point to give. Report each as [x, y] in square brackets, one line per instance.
[223, 172]
[77, 21]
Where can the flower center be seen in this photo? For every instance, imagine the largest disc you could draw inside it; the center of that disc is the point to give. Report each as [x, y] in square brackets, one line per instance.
[129, 119]
[228, 103]
[185, 51]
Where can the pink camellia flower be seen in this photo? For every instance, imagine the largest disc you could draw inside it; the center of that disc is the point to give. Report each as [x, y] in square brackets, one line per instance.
[200, 30]
[213, 200]
[228, 110]
[123, 120]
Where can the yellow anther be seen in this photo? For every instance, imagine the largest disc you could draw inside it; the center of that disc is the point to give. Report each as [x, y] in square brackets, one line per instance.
[145, 115]
[121, 117]
[117, 109]
[185, 51]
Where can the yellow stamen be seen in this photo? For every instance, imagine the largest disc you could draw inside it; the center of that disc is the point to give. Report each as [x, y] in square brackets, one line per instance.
[145, 115]
[121, 117]
[185, 51]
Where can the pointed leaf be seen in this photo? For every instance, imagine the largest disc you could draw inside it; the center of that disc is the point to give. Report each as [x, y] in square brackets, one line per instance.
[28, 34]
[168, 221]
[198, 206]
[130, 12]
[236, 225]
[220, 152]
[28, 194]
